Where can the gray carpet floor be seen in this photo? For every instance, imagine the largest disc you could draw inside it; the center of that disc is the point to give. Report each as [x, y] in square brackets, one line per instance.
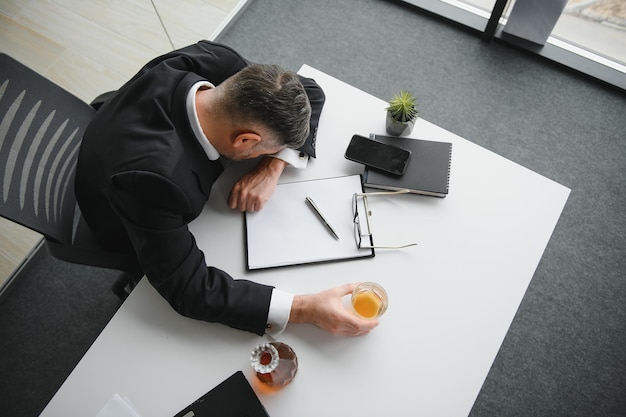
[565, 353]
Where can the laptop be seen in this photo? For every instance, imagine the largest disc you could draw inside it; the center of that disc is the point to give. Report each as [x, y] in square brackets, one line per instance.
[234, 397]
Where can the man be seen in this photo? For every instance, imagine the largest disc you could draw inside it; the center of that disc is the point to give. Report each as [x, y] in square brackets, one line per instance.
[150, 157]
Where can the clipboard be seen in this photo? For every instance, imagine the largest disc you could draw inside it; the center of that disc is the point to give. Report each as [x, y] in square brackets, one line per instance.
[286, 232]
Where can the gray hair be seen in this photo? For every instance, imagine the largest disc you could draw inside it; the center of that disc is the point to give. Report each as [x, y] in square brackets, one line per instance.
[273, 97]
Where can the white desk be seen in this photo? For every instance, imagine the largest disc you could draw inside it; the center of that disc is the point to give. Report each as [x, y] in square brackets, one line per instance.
[452, 298]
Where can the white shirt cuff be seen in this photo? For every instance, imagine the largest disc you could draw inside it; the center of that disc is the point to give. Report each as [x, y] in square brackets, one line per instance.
[280, 309]
[296, 159]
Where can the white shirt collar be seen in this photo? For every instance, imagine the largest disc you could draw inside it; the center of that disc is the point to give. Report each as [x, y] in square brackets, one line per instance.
[291, 156]
[210, 151]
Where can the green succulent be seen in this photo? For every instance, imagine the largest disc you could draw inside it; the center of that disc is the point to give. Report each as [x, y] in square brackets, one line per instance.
[402, 107]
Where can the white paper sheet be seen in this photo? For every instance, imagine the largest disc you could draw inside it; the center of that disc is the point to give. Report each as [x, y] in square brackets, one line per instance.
[288, 232]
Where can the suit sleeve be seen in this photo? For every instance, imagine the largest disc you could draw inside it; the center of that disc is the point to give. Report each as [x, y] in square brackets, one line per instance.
[153, 211]
[316, 98]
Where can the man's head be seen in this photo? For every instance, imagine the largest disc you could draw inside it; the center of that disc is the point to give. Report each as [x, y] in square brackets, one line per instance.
[270, 97]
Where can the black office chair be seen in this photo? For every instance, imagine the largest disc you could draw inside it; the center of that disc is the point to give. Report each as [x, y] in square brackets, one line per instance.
[41, 128]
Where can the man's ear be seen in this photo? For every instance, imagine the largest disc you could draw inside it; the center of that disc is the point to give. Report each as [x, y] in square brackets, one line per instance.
[246, 140]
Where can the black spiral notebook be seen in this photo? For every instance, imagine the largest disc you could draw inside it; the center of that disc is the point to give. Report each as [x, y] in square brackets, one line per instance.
[234, 397]
[427, 173]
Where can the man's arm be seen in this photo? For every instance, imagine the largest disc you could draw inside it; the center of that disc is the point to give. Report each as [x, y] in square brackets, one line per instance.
[177, 269]
[325, 310]
[153, 211]
[317, 98]
[253, 190]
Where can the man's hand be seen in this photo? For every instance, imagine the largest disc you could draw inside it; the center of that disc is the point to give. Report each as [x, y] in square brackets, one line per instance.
[326, 311]
[253, 190]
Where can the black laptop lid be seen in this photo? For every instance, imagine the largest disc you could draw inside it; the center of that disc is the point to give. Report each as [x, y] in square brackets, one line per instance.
[234, 397]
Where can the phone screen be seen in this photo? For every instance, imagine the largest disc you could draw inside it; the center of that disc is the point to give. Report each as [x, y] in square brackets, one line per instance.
[378, 155]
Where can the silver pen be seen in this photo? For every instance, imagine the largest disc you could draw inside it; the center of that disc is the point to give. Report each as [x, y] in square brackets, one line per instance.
[321, 216]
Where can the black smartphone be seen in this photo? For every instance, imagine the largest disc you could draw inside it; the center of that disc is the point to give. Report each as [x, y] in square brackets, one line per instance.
[378, 155]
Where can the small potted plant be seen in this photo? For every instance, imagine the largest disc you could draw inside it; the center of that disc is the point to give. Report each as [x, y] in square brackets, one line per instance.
[401, 114]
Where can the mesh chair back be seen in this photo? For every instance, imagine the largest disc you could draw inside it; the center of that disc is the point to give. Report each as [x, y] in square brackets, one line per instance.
[41, 128]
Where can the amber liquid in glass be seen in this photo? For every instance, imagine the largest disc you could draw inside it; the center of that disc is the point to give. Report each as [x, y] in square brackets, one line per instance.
[367, 304]
[369, 300]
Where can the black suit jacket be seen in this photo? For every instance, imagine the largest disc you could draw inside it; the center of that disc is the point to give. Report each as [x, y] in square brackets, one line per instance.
[142, 177]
